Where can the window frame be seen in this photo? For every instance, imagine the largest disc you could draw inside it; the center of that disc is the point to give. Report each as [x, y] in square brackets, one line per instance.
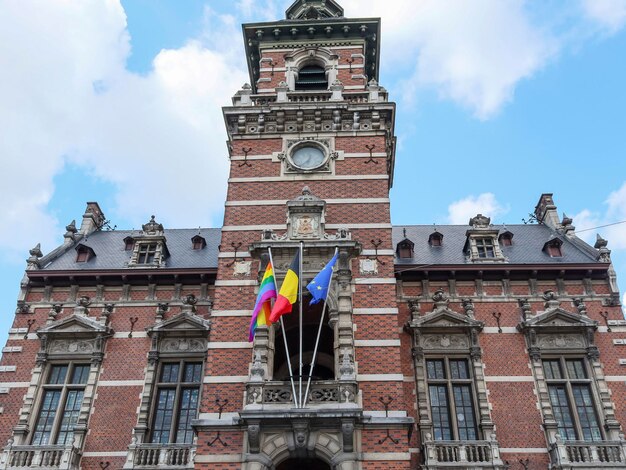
[144, 251]
[60, 411]
[569, 384]
[482, 245]
[179, 386]
[451, 384]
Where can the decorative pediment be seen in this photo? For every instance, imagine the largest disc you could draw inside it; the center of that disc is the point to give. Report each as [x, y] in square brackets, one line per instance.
[183, 324]
[74, 325]
[72, 336]
[558, 319]
[313, 10]
[446, 319]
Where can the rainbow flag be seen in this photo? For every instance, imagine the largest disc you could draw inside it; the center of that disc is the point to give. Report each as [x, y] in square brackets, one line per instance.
[288, 294]
[263, 306]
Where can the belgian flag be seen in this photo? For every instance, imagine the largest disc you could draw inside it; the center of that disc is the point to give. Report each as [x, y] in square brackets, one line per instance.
[288, 294]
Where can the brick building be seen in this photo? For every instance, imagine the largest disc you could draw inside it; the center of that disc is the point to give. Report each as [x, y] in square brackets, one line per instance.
[478, 346]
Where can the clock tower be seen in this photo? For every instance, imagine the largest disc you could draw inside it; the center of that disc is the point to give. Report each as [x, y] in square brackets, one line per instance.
[312, 148]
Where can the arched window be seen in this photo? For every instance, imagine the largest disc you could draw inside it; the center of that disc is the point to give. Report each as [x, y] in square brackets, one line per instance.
[312, 77]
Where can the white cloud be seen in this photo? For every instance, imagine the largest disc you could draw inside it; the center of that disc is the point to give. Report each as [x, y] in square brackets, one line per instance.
[609, 14]
[67, 97]
[460, 212]
[473, 52]
[615, 212]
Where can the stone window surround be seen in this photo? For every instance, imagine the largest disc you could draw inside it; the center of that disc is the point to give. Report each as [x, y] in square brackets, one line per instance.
[77, 339]
[310, 56]
[445, 333]
[558, 333]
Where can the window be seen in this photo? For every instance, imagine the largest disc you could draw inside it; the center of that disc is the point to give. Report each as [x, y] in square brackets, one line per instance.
[60, 404]
[485, 248]
[82, 256]
[198, 242]
[506, 239]
[571, 398]
[451, 399]
[176, 403]
[312, 77]
[555, 251]
[405, 249]
[129, 243]
[147, 253]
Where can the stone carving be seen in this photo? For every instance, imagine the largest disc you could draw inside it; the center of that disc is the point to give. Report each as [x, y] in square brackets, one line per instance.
[560, 341]
[440, 299]
[301, 434]
[342, 234]
[305, 226]
[526, 308]
[580, 305]
[445, 342]
[71, 346]
[257, 372]
[368, 266]
[152, 227]
[468, 307]
[551, 300]
[347, 433]
[480, 221]
[347, 368]
[182, 345]
[254, 438]
[242, 268]
[189, 303]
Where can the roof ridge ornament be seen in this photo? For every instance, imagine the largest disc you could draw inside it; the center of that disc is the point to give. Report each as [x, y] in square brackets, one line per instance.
[314, 10]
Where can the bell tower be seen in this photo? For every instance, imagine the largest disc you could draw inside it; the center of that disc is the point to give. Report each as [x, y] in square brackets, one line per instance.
[312, 148]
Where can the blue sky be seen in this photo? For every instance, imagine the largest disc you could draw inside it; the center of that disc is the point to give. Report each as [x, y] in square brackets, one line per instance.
[498, 101]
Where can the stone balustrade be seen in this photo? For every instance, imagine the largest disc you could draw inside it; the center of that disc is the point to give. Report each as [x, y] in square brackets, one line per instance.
[462, 454]
[160, 456]
[583, 454]
[40, 457]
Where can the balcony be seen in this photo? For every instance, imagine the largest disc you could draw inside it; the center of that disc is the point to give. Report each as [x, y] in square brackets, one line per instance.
[462, 454]
[160, 456]
[306, 97]
[322, 393]
[40, 457]
[587, 455]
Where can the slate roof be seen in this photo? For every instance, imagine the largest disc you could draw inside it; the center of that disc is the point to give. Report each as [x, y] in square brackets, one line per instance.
[110, 253]
[527, 248]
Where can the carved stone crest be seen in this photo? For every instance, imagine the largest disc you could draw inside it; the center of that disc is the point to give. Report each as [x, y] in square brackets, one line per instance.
[368, 266]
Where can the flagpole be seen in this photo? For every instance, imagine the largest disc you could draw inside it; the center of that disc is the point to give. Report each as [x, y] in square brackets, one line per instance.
[319, 334]
[300, 294]
[282, 325]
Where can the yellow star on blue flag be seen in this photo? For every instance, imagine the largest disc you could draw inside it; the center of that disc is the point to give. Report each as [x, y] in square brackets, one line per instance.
[318, 287]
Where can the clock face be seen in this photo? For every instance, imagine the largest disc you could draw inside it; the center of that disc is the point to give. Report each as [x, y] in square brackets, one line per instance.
[308, 157]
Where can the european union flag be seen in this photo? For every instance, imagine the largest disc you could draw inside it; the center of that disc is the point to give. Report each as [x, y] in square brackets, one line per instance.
[318, 287]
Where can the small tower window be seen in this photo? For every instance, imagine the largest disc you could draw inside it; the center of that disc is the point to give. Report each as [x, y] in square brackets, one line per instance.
[435, 239]
[84, 254]
[129, 243]
[553, 248]
[506, 238]
[405, 249]
[198, 243]
[312, 77]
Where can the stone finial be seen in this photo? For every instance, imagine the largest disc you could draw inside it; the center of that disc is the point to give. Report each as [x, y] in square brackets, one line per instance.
[480, 221]
[246, 86]
[580, 305]
[568, 225]
[566, 220]
[600, 242]
[70, 232]
[152, 227]
[82, 304]
[526, 308]
[604, 254]
[35, 254]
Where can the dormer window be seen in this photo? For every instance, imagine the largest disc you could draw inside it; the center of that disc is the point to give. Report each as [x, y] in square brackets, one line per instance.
[147, 253]
[198, 242]
[435, 239]
[485, 247]
[553, 248]
[312, 77]
[506, 239]
[84, 254]
[405, 249]
[129, 243]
